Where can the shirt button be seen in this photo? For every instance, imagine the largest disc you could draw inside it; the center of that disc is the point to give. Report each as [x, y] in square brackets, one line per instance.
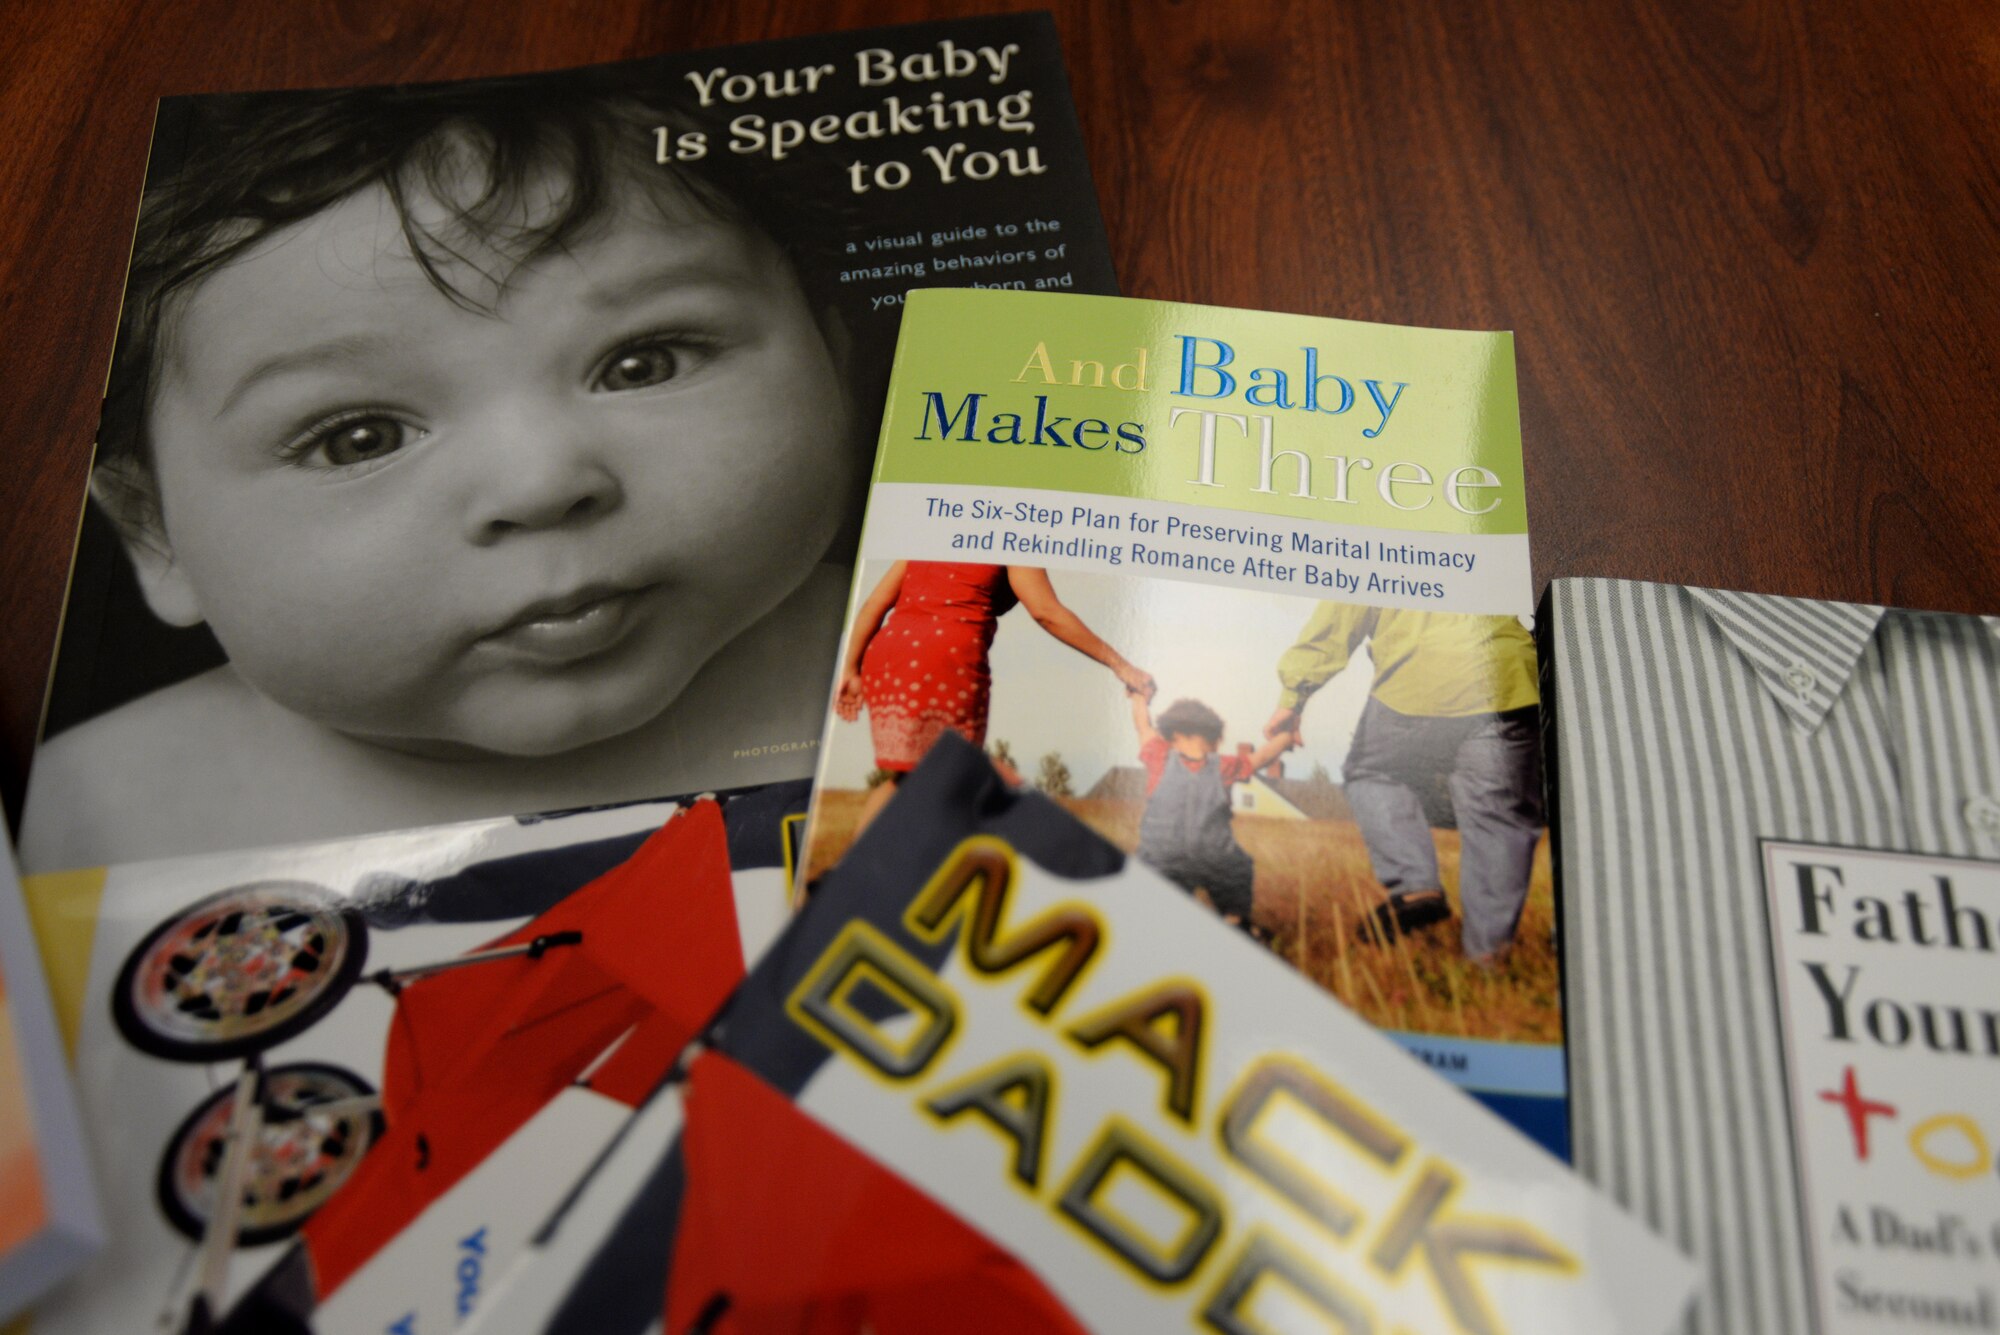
[1801, 679]
[1982, 813]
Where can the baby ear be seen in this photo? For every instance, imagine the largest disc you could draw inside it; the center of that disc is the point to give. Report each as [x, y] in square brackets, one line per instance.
[127, 494]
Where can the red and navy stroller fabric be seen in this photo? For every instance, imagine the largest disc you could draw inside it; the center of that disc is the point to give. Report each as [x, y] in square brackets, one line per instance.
[474, 1052]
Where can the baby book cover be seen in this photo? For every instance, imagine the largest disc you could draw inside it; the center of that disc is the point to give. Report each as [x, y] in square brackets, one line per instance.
[1247, 593]
[494, 447]
[334, 1087]
[999, 1078]
[1779, 855]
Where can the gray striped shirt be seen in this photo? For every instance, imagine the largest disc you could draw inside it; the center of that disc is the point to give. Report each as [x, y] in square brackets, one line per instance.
[1689, 724]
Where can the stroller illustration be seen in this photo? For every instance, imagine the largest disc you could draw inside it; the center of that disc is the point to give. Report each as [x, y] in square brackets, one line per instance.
[603, 987]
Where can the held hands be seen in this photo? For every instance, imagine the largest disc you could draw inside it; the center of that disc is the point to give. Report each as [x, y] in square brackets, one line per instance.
[1274, 746]
[847, 703]
[1285, 721]
[1136, 680]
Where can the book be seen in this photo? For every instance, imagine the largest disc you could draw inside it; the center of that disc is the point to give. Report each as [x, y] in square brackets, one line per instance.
[49, 1218]
[334, 1087]
[493, 447]
[1778, 849]
[1273, 579]
[998, 1076]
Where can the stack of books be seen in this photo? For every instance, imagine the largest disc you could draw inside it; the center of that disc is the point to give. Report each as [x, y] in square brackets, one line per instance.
[672, 716]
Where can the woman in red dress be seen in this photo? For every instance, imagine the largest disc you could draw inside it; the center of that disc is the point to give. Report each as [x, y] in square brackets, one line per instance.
[917, 656]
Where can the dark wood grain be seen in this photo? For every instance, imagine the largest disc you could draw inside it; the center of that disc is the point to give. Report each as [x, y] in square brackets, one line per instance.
[1750, 248]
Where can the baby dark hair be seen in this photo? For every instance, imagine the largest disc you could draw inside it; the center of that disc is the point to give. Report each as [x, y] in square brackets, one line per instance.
[1190, 718]
[478, 154]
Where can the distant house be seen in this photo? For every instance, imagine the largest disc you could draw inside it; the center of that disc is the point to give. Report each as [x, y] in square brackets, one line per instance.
[1268, 793]
[1317, 798]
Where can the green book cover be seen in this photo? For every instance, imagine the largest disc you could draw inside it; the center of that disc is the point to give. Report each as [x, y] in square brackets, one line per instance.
[1250, 594]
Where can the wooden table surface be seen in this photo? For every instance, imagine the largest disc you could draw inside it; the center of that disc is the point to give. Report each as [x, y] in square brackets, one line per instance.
[1750, 249]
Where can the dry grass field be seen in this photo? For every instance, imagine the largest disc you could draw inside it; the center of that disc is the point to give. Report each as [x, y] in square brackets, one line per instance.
[1313, 888]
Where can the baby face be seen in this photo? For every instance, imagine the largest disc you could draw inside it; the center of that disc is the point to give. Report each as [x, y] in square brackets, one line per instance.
[514, 530]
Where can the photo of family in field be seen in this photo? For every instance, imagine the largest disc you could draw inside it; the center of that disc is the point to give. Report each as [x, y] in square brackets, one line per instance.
[1357, 787]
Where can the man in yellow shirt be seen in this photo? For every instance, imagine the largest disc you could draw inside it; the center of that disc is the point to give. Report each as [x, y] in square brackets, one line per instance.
[1454, 697]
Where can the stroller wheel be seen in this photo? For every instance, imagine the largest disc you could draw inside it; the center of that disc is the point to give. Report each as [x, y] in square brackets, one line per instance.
[239, 972]
[312, 1136]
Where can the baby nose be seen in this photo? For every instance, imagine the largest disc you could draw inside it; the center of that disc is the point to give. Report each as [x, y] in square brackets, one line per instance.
[536, 476]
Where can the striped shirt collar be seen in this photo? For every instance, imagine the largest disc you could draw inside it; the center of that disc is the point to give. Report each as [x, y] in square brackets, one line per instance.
[1802, 649]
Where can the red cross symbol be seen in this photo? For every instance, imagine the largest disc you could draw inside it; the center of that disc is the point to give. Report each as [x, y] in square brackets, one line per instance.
[1859, 1110]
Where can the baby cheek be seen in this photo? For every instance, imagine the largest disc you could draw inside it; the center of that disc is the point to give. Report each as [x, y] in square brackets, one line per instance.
[773, 484]
[811, 464]
[332, 640]
[350, 673]
[807, 429]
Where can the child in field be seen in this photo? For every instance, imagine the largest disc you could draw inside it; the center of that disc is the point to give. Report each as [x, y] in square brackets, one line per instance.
[500, 458]
[1185, 833]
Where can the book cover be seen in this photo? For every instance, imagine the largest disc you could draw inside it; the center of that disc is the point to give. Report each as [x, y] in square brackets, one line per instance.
[1778, 848]
[334, 1087]
[1244, 591]
[999, 1077]
[49, 1217]
[494, 447]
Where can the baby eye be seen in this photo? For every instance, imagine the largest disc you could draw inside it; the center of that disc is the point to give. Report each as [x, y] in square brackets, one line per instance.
[640, 366]
[654, 359]
[355, 440]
